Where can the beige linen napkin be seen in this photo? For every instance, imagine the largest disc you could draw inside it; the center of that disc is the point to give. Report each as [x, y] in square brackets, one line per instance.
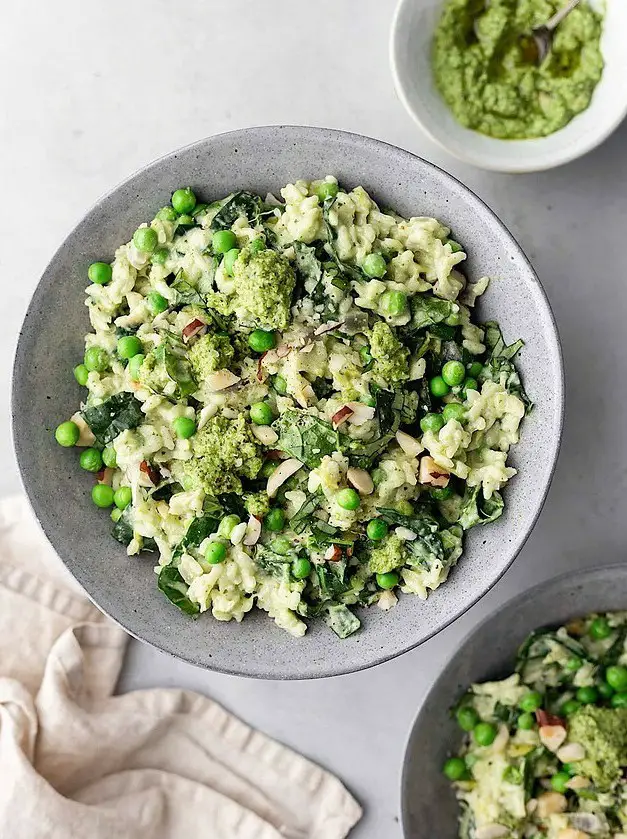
[79, 763]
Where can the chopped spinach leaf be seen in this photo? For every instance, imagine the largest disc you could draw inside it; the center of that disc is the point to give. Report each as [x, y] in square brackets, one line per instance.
[197, 532]
[273, 564]
[186, 294]
[306, 437]
[303, 517]
[475, 509]
[427, 310]
[175, 589]
[123, 529]
[500, 365]
[341, 620]
[116, 414]
[237, 205]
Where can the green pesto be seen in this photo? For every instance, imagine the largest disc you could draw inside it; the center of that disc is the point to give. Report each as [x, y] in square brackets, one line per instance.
[263, 287]
[485, 71]
[225, 451]
[603, 734]
[391, 357]
[258, 504]
[387, 555]
[209, 353]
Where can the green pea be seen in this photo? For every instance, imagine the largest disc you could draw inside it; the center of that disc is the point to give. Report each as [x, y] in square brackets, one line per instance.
[91, 460]
[183, 200]
[484, 733]
[109, 457]
[261, 413]
[616, 677]
[257, 245]
[531, 701]
[605, 690]
[587, 695]
[432, 423]
[469, 384]
[467, 718]
[116, 515]
[96, 359]
[570, 707]
[281, 546]
[455, 769]
[67, 434]
[619, 700]
[404, 507]
[378, 475]
[374, 265]
[134, 364]
[301, 568]
[348, 499]
[275, 520]
[215, 553]
[145, 239]
[260, 340]
[600, 629]
[365, 356]
[571, 768]
[475, 369]
[453, 373]
[441, 493]
[280, 385]
[573, 663]
[156, 303]
[160, 256]
[525, 721]
[229, 260]
[122, 497]
[167, 214]
[223, 241]
[326, 190]
[438, 387]
[199, 210]
[81, 374]
[102, 495]
[268, 468]
[455, 246]
[368, 400]
[100, 273]
[184, 427]
[377, 529]
[559, 781]
[454, 411]
[388, 580]
[393, 303]
[128, 346]
[454, 319]
[186, 221]
[227, 525]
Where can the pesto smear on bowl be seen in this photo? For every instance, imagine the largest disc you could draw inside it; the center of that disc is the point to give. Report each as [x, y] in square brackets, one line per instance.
[291, 404]
[484, 68]
[545, 749]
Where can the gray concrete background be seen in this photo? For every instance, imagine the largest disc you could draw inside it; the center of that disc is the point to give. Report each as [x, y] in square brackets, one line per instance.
[92, 91]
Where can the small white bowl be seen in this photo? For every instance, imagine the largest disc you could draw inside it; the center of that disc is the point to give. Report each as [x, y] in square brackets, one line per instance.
[410, 55]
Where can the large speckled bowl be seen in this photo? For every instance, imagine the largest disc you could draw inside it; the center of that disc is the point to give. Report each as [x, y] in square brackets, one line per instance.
[51, 343]
[428, 804]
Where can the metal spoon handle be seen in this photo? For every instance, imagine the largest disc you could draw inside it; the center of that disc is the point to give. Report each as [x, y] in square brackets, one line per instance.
[559, 16]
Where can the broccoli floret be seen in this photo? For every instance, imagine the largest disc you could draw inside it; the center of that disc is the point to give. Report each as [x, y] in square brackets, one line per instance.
[391, 357]
[209, 353]
[225, 451]
[388, 555]
[258, 504]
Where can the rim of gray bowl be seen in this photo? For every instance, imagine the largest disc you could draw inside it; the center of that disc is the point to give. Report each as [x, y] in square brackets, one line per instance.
[20, 361]
[578, 577]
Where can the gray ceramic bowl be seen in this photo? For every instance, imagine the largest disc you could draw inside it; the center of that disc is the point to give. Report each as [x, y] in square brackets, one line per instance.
[51, 343]
[428, 805]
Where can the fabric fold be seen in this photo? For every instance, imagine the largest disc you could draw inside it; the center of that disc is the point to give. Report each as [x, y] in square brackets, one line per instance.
[77, 761]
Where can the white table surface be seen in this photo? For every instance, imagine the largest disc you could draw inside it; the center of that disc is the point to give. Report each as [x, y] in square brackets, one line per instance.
[90, 91]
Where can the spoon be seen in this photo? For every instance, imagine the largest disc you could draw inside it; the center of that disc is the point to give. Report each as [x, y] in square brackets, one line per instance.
[541, 41]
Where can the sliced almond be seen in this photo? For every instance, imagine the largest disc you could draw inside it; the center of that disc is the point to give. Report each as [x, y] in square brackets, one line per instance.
[193, 328]
[501, 740]
[552, 736]
[333, 553]
[86, 437]
[253, 531]
[265, 434]
[221, 380]
[432, 474]
[284, 470]
[491, 831]
[328, 327]
[578, 782]
[341, 416]
[238, 533]
[105, 476]
[361, 480]
[405, 534]
[531, 806]
[362, 413]
[551, 802]
[571, 752]
[306, 397]
[409, 444]
[387, 600]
